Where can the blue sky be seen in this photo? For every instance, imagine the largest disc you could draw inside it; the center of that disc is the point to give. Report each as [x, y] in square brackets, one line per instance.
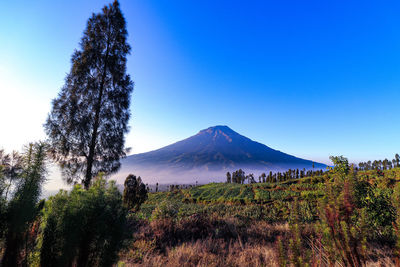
[310, 78]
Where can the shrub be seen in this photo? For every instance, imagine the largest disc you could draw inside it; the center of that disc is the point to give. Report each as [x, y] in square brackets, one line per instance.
[196, 226]
[163, 232]
[166, 210]
[343, 225]
[135, 192]
[84, 226]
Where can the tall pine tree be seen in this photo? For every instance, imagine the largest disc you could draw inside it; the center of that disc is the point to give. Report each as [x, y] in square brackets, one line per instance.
[90, 116]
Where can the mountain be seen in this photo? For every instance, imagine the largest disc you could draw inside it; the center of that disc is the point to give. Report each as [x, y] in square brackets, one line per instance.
[207, 156]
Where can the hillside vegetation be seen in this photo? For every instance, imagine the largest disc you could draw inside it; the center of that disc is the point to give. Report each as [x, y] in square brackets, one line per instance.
[346, 217]
[306, 191]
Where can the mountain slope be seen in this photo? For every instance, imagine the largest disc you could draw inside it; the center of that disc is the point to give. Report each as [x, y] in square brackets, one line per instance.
[211, 152]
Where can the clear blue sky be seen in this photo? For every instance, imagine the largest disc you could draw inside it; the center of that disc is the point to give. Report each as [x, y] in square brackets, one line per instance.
[310, 78]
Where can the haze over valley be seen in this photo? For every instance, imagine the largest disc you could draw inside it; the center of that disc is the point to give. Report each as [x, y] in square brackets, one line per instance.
[207, 156]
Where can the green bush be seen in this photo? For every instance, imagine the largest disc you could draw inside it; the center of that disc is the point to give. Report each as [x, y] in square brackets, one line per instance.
[166, 210]
[84, 226]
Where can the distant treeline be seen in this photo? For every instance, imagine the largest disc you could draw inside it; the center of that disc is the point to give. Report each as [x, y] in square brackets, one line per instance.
[385, 164]
[240, 176]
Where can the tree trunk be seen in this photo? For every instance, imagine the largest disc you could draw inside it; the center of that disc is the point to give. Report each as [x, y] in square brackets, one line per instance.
[90, 158]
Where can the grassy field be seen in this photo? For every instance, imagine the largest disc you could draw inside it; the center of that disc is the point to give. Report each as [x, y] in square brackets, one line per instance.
[256, 219]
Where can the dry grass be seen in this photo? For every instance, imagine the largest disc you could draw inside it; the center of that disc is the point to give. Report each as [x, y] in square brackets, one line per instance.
[379, 256]
[211, 252]
[204, 241]
[200, 242]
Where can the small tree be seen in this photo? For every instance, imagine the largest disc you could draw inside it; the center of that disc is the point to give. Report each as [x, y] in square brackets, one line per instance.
[135, 192]
[238, 176]
[342, 224]
[250, 178]
[11, 169]
[262, 177]
[341, 165]
[271, 177]
[24, 206]
[228, 177]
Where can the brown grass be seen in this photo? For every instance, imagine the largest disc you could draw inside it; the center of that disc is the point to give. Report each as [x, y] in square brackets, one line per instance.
[211, 252]
[208, 241]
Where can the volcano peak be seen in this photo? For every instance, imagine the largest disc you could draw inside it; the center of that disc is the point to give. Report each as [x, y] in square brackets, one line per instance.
[216, 149]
